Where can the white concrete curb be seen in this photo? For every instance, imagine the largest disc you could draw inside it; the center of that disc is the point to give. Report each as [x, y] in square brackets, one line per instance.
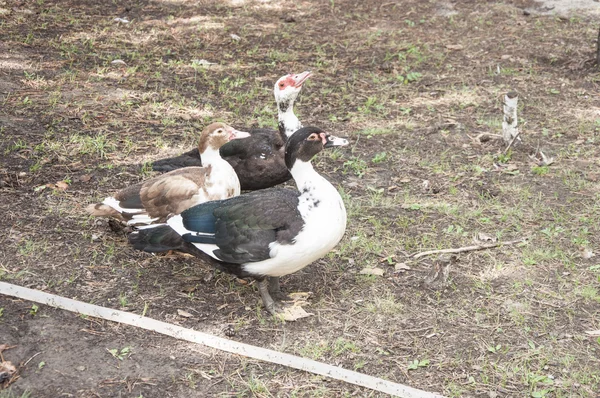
[219, 343]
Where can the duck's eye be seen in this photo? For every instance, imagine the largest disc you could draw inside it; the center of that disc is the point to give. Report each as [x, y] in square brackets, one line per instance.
[281, 85]
[220, 131]
[313, 137]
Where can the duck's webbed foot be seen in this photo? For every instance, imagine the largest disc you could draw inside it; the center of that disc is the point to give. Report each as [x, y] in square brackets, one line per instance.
[289, 311]
[275, 289]
[270, 304]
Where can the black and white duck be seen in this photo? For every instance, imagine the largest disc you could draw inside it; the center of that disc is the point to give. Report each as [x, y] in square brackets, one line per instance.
[153, 200]
[259, 159]
[264, 234]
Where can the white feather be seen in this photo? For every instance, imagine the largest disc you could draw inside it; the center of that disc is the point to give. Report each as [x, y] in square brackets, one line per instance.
[114, 203]
[221, 179]
[141, 219]
[290, 121]
[176, 222]
[324, 226]
[140, 227]
[324, 215]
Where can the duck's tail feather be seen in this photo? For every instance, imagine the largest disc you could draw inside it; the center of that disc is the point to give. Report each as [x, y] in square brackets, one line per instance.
[156, 239]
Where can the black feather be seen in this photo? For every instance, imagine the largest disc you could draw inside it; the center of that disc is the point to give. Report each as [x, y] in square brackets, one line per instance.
[305, 151]
[200, 218]
[257, 160]
[192, 238]
[187, 159]
[246, 225]
[161, 238]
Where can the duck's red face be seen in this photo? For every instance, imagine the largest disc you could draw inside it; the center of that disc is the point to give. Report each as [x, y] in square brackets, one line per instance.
[292, 80]
[327, 139]
[318, 137]
[288, 86]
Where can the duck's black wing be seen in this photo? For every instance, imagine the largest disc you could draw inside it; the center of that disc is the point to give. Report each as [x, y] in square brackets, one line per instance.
[187, 159]
[242, 228]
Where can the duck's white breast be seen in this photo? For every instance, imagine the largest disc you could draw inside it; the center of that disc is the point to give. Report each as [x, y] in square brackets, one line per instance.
[324, 217]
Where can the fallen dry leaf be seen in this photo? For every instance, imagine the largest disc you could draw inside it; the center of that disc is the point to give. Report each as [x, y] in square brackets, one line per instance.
[189, 288]
[293, 313]
[594, 333]
[4, 347]
[401, 267]
[85, 178]
[62, 185]
[586, 253]
[300, 296]
[7, 370]
[184, 313]
[483, 237]
[372, 271]
[454, 46]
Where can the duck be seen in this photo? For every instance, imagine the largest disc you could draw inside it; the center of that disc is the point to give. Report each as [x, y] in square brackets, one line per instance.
[264, 234]
[153, 200]
[259, 159]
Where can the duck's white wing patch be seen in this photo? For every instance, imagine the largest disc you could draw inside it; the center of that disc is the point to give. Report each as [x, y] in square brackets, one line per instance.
[141, 219]
[138, 216]
[176, 222]
[114, 203]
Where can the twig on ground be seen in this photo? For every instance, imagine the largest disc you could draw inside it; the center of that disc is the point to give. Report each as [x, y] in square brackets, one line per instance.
[387, 4]
[34, 355]
[512, 142]
[469, 248]
[414, 330]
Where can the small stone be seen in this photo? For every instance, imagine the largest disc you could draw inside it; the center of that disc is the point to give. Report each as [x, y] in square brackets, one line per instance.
[80, 368]
[289, 19]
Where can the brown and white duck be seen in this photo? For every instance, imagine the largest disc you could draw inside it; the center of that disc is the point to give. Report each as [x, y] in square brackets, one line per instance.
[259, 159]
[171, 193]
[264, 234]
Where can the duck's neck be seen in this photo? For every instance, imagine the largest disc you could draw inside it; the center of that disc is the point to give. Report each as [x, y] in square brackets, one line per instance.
[306, 178]
[212, 157]
[221, 181]
[288, 121]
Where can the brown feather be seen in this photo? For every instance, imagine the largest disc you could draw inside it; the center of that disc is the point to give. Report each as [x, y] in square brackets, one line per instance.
[102, 210]
[170, 193]
[173, 192]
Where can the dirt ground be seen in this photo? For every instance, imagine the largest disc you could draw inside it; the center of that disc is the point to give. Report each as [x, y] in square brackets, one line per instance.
[87, 101]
